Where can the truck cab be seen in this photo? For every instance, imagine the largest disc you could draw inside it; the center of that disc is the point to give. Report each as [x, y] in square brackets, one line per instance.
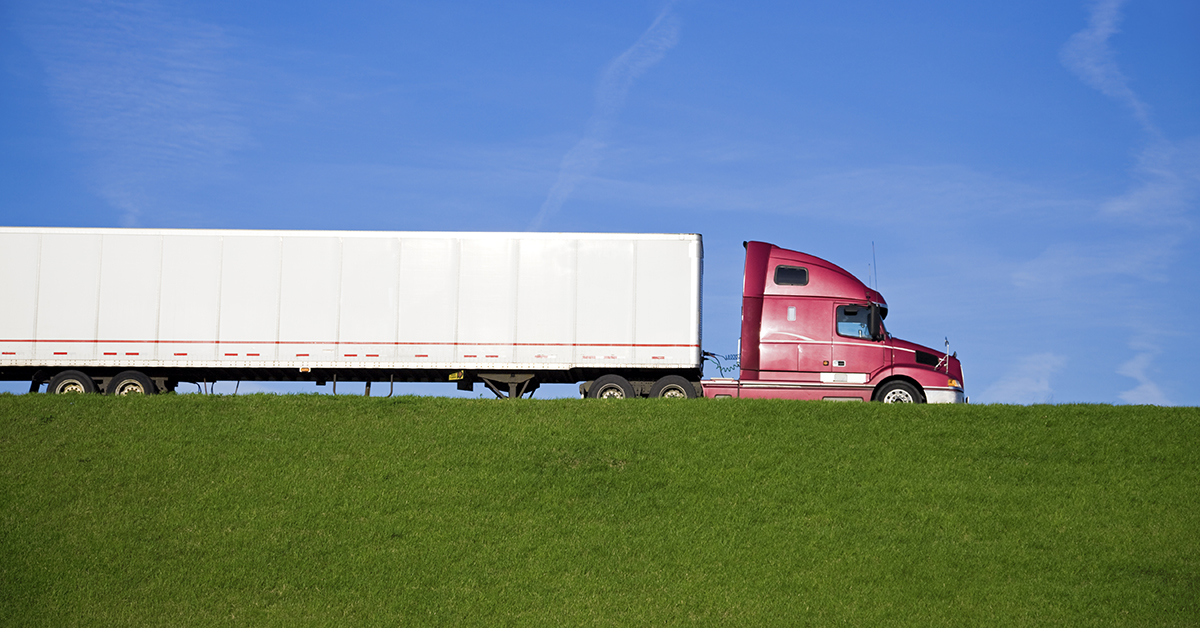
[811, 330]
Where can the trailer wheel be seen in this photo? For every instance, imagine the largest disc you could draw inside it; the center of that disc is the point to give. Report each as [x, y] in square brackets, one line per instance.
[673, 387]
[71, 382]
[899, 392]
[130, 383]
[611, 387]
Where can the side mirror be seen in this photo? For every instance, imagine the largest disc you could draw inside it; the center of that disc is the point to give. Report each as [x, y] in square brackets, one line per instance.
[873, 325]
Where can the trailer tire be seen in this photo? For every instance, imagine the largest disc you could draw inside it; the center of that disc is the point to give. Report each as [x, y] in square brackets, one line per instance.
[71, 382]
[899, 392]
[130, 383]
[673, 387]
[611, 387]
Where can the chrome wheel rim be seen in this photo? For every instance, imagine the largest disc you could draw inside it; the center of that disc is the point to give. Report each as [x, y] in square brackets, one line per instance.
[70, 387]
[673, 392]
[611, 392]
[130, 388]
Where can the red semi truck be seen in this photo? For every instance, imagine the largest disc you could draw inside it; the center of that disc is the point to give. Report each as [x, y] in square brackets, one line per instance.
[811, 330]
[128, 311]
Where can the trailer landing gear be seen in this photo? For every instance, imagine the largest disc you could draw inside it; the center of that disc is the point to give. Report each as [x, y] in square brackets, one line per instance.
[518, 384]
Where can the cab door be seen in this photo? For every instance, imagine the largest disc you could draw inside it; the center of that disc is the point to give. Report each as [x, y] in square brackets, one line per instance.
[855, 354]
[794, 338]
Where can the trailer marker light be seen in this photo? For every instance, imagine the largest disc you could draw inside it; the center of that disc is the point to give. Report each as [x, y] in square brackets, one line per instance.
[180, 354]
[351, 355]
[253, 355]
[305, 369]
[302, 355]
[230, 355]
[60, 353]
[10, 353]
[131, 353]
[110, 353]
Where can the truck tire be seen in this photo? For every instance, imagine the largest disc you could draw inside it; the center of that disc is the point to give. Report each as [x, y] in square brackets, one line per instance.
[673, 387]
[611, 387]
[71, 382]
[129, 383]
[899, 392]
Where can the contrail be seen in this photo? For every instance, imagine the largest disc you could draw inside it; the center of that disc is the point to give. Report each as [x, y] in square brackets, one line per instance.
[1088, 55]
[583, 158]
[1168, 172]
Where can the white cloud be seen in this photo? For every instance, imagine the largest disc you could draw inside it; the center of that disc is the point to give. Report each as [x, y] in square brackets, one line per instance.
[1146, 392]
[1088, 54]
[142, 89]
[584, 158]
[1063, 267]
[1167, 180]
[1168, 184]
[1027, 382]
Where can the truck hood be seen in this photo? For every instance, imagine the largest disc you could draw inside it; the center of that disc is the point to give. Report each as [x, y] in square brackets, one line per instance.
[911, 353]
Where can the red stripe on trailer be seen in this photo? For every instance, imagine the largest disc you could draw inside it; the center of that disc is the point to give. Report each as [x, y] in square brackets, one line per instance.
[253, 355]
[180, 354]
[131, 353]
[302, 355]
[372, 355]
[110, 353]
[60, 353]
[231, 355]
[365, 342]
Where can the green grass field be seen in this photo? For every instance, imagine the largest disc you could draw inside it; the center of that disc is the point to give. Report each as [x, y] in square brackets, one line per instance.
[320, 510]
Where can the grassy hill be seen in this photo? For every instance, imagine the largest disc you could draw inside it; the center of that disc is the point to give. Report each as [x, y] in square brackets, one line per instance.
[286, 510]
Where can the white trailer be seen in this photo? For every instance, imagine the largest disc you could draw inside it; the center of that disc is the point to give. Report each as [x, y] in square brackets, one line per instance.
[140, 310]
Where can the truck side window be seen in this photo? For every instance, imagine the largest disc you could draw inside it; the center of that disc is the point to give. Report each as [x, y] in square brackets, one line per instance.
[791, 276]
[852, 320]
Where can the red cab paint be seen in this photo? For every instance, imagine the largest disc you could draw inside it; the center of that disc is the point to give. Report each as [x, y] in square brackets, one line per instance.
[811, 330]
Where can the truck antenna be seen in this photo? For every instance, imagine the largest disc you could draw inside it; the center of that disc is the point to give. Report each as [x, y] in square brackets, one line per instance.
[874, 267]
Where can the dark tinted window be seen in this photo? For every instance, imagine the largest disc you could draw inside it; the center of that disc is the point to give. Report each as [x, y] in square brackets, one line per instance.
[791, 276]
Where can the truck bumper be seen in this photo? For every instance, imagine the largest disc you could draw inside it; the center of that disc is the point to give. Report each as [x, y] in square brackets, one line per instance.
[944, 395]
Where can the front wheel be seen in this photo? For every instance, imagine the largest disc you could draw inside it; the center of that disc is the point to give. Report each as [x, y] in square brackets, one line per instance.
[899, 392]
[611, 387]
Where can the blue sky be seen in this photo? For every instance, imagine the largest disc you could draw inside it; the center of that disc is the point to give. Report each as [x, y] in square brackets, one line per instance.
[1028, 172]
